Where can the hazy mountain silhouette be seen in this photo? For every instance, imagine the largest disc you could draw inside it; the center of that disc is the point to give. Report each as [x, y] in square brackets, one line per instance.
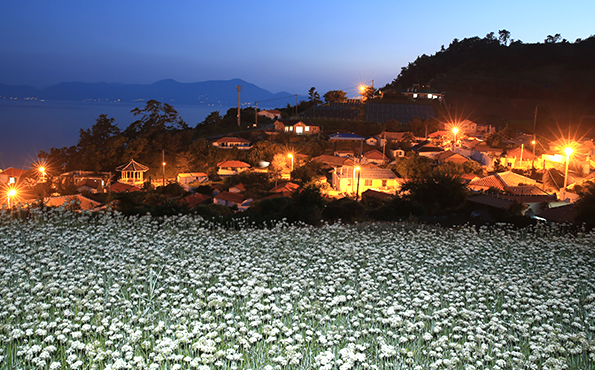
[221, 92]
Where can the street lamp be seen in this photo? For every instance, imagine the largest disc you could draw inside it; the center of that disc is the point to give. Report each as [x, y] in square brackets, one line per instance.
[533, 142]
[357, 168]
[42, 171]
[568, 151]
[11, 194]
[290, 156]
[455, 130]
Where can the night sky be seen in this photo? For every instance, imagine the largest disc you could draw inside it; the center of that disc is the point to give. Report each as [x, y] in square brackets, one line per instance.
[277, 45]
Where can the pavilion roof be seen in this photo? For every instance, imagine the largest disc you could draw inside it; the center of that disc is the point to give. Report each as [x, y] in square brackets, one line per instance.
[132, 166]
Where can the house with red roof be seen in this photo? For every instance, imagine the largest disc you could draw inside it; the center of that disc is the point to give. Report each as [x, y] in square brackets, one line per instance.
[119, 187]
[230, 168]
[504, 181]
[196, 199]
[11, 175]
[228, 199]
[294, 126]
[90, 186]
[237, 188]
[74, 202]
[375, 156]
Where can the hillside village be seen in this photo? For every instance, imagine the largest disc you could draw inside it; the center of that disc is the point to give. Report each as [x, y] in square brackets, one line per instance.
[522, 171]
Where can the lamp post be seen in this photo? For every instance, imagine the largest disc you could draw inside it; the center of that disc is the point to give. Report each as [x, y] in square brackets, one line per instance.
[42, 171]
[11, 194]
[568, 151]
[358, 169]
[290, 156]
[533, 161]
[455, 130]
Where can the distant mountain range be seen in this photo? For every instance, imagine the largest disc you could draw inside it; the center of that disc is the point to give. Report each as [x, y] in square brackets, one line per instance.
[166, 91]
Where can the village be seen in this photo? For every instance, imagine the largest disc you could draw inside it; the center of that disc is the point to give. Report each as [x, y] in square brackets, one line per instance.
[541, 176]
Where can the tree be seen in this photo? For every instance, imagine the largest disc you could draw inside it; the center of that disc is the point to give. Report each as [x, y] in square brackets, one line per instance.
[314, 96]
[504, 37]
[100, 146]
[367, 92]
[585, 212]
[335, 96]
[552, 39]
[157, 116]
[438, 192]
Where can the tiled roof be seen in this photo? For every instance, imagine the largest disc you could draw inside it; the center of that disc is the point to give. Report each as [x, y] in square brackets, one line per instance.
[85, 203]
[119, 187]
[516, 152]
[13, 172]
[376, 194]
[132, 166]
[490, 201]
[231, 197]
[375, 154]
[90, 183]
[195, 199]
[233, 164]
[332, 160]
[228, 139]
[287, 187]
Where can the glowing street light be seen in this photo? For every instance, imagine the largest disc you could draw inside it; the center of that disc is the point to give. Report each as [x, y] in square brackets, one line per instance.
[42, 172]
[455, 130]
[290, 156]
[568, 151]
[11, 194]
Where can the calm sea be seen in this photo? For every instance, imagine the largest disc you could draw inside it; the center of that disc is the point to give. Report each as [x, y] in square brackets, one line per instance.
[26, 127]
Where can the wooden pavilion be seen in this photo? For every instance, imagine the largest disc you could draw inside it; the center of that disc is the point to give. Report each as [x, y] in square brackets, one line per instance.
[132, 173]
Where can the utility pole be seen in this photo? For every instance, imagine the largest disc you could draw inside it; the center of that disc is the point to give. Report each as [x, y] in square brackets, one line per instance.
[163, 165]
[239, 87]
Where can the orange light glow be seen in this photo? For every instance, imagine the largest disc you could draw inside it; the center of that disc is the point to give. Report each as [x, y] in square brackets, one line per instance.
[568, 151]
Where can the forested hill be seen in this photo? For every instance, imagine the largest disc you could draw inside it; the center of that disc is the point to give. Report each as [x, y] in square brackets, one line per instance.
[504, 81]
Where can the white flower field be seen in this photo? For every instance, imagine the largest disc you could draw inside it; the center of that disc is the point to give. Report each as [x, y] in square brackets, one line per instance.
[108, 292]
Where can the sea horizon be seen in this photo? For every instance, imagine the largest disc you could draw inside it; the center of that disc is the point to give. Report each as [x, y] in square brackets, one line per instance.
[28, 126]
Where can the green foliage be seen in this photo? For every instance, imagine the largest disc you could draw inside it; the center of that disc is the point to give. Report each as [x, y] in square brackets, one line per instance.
[307, 205]
[438, 193]
[307, 172]
[314, 96]
[585, 212]
[333, 96]
[414, 166]
[395, 209]
[66, 186]
[344, 209]
[213, 211]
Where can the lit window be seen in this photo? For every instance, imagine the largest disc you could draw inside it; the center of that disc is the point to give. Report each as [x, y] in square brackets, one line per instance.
[430, 96]
[414, 96]
[307, 128]
[12, 180]
[368, 182]
[299, 130]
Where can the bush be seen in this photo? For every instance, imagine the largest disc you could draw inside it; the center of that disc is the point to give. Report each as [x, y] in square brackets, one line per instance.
[344, 209]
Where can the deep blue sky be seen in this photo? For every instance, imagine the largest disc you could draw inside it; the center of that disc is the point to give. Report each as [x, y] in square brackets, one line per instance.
[278, 45]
